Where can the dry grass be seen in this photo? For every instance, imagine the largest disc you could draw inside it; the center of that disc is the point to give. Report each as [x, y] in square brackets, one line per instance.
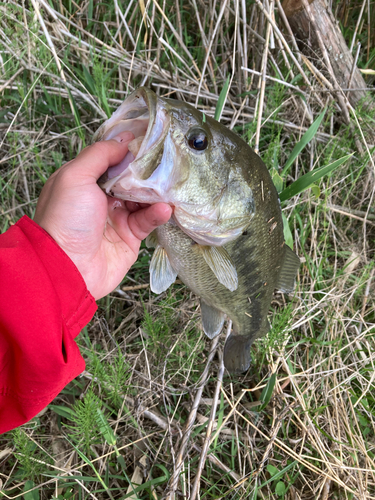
[183, 428]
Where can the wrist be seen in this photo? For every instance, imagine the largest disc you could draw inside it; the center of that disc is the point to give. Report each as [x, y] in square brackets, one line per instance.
[65, 277]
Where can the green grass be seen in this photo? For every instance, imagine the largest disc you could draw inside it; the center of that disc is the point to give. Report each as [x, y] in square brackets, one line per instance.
[301, 423]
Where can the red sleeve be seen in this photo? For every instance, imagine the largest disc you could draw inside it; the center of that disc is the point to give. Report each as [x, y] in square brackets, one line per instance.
[44, 303]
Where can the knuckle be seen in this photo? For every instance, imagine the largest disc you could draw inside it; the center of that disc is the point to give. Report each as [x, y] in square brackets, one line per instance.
[98, 148]
[64, 177]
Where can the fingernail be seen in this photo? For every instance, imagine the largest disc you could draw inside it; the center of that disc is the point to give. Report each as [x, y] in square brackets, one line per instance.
[124, 137]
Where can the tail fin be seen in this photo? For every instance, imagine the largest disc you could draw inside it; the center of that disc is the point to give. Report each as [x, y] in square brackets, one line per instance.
[237, 353]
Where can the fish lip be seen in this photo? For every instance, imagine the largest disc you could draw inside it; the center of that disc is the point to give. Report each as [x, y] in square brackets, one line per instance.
[144, 93]
[151, 102]
[157, 128]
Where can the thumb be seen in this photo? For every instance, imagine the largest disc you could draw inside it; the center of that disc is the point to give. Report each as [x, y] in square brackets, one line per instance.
[94, 160]
[134, 227]
[144, 221]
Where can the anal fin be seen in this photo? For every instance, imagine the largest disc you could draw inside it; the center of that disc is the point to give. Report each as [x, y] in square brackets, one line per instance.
[162, 274]
[288, 271]
[212, 320]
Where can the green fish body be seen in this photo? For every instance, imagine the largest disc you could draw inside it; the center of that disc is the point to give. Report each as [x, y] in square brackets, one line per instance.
[225, 239]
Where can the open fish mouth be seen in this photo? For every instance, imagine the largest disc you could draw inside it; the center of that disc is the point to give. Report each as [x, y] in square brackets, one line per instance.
[143, 114]
[162, 165]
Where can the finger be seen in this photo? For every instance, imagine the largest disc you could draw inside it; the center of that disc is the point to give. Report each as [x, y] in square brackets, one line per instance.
[94, 160]
[118, 214]
[142, 222]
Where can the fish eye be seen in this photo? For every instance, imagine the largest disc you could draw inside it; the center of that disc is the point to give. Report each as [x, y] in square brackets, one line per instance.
[197, 139]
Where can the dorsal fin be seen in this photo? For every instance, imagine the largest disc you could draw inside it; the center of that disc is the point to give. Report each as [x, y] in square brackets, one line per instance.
[162, 274]
[221, 265]
[288, 271]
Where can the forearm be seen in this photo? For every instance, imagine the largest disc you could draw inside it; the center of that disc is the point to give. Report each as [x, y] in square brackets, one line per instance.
[44, 303]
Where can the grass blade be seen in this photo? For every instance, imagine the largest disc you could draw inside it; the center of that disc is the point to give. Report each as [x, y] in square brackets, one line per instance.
[29, 493]
[62, 411]
[305, 139]
[276, 473]
[105, 428]
[254, 494]
[267, 391]
[88, 462]
[277, 180]
[288, 237]
[308, 179]
[222, 98]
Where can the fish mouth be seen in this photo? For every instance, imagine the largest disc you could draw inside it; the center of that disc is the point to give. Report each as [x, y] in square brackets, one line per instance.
[143, 114]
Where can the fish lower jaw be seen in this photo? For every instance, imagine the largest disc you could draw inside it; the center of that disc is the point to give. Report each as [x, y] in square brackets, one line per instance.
[140, 195]
[205, 230]
[207, 238]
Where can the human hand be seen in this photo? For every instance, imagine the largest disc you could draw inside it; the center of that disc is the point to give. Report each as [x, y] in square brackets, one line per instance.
[101, 235]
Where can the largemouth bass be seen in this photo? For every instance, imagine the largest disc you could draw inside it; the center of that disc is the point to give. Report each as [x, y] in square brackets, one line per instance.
[225, 238]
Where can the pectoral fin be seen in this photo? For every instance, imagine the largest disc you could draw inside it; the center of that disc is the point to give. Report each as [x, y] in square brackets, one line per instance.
[162, 274]
[212, 320]
[221, 265]
[288, 271]
[152, 240]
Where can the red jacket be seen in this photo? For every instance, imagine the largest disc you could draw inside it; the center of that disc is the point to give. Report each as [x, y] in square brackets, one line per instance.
[44, 304]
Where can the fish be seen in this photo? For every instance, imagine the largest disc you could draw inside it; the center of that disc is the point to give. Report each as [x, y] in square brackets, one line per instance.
[225, 237]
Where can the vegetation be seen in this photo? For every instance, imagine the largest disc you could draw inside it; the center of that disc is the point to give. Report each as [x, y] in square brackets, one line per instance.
[301, 423]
